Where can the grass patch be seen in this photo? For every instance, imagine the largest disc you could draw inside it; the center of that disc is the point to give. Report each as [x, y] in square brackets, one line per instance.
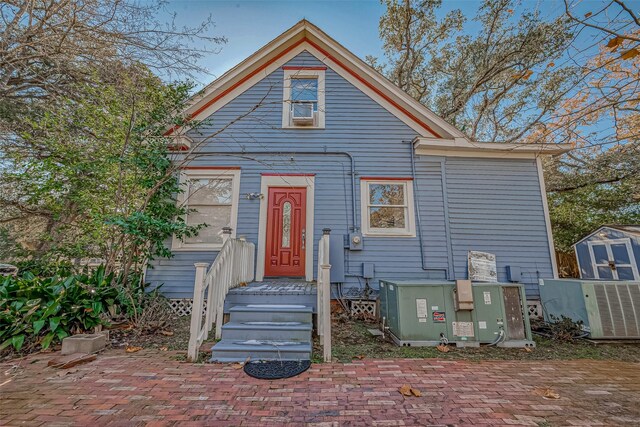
[351, 340]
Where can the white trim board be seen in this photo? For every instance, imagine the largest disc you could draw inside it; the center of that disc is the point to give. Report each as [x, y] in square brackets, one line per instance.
[547, 218]
[463, 148]
[286, 181]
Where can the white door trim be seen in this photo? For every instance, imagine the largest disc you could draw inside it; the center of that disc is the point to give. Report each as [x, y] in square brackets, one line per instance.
[267, 181]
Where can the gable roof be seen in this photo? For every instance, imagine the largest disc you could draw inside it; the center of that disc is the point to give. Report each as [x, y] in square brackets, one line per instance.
[626, 228]
[434, 134]
[306, 36]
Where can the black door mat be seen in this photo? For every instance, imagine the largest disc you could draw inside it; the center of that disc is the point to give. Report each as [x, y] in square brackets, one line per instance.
[276, 369]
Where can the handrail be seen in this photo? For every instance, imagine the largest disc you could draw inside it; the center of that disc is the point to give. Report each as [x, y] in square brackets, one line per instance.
[233, 266]
[324, 294]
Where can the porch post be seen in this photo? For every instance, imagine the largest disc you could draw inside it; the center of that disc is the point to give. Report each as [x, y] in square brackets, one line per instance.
[196, 311]
[326, 296]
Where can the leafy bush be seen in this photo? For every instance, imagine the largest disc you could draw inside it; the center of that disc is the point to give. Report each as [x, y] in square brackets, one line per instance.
[35, 310]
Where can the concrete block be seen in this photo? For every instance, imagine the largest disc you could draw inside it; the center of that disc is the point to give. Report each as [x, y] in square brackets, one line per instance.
[84, 343]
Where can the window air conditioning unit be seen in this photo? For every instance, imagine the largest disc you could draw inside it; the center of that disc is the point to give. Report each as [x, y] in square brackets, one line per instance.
[302, 113]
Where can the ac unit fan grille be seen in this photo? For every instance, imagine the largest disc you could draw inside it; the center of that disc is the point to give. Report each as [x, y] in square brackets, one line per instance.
[619, 307]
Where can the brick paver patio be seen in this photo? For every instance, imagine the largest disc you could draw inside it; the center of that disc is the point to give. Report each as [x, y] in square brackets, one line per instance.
[152, 389]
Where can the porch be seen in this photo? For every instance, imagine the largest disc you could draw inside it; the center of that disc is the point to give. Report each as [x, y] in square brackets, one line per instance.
[259, 320]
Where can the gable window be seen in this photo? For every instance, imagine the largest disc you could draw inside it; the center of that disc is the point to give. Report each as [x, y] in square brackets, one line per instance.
[387, 207]
[303, 98]
[211, 197]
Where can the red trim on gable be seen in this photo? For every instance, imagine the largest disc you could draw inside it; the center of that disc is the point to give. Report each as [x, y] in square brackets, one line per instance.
[324, 52]
[223, 168]
[385, 178]
[238, 83]
[288, 174]
[286, 67]
[373, 88]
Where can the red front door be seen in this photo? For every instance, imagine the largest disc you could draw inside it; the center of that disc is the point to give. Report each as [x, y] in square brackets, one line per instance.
[286, 217]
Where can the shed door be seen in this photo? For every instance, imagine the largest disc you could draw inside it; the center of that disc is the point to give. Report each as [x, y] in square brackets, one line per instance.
[613, 260]
[286, 234]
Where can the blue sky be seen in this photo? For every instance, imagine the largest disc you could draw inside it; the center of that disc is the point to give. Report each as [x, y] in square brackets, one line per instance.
[248, 25]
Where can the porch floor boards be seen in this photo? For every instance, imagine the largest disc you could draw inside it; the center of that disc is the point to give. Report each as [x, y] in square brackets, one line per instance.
[282, 287]
[273, 291]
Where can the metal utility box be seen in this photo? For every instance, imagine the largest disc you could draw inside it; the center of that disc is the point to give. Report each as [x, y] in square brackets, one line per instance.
[421, 313]
[336, 257]
[607, 309]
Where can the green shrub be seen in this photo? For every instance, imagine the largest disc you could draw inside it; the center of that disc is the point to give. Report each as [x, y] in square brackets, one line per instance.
[36, 310]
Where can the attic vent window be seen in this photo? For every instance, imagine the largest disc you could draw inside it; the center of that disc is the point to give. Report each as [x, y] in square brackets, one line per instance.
[303, 99]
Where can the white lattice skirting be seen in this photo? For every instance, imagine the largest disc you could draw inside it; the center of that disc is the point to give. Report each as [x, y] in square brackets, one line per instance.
[182, 307]
[359, 307]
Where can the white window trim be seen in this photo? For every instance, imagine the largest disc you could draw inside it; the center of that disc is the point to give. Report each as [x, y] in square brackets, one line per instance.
[185, 174]
[286, 97]
[607, 244]
[286, 181]
[367, 230]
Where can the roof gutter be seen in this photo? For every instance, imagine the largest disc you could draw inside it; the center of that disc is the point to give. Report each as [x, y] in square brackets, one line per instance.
[467, 148]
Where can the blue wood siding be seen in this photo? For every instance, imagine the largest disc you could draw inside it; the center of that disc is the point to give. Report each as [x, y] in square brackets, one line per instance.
[380, 144]
[495, 205]
[584, 257]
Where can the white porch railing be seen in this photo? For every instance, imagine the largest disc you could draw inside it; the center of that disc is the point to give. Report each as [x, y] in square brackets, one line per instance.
[233, 266]
[324, 295]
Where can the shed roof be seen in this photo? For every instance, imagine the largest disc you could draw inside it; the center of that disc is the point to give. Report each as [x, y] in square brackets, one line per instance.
[627, 228]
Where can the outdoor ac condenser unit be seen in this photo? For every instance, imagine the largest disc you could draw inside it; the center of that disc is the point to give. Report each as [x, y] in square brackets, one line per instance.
[423, 313]
[607, 309]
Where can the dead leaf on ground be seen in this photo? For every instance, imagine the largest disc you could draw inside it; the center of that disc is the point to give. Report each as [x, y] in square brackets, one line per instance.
[547, 393]
[164, 348]
[407, 390]
[443, 348]
[167, 333]
[240, 365]
[133, 349]
[527, 349]
[359, 357]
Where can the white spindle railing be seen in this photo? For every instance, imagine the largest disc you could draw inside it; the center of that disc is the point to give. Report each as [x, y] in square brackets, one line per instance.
[324, 294]
[233, 266]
